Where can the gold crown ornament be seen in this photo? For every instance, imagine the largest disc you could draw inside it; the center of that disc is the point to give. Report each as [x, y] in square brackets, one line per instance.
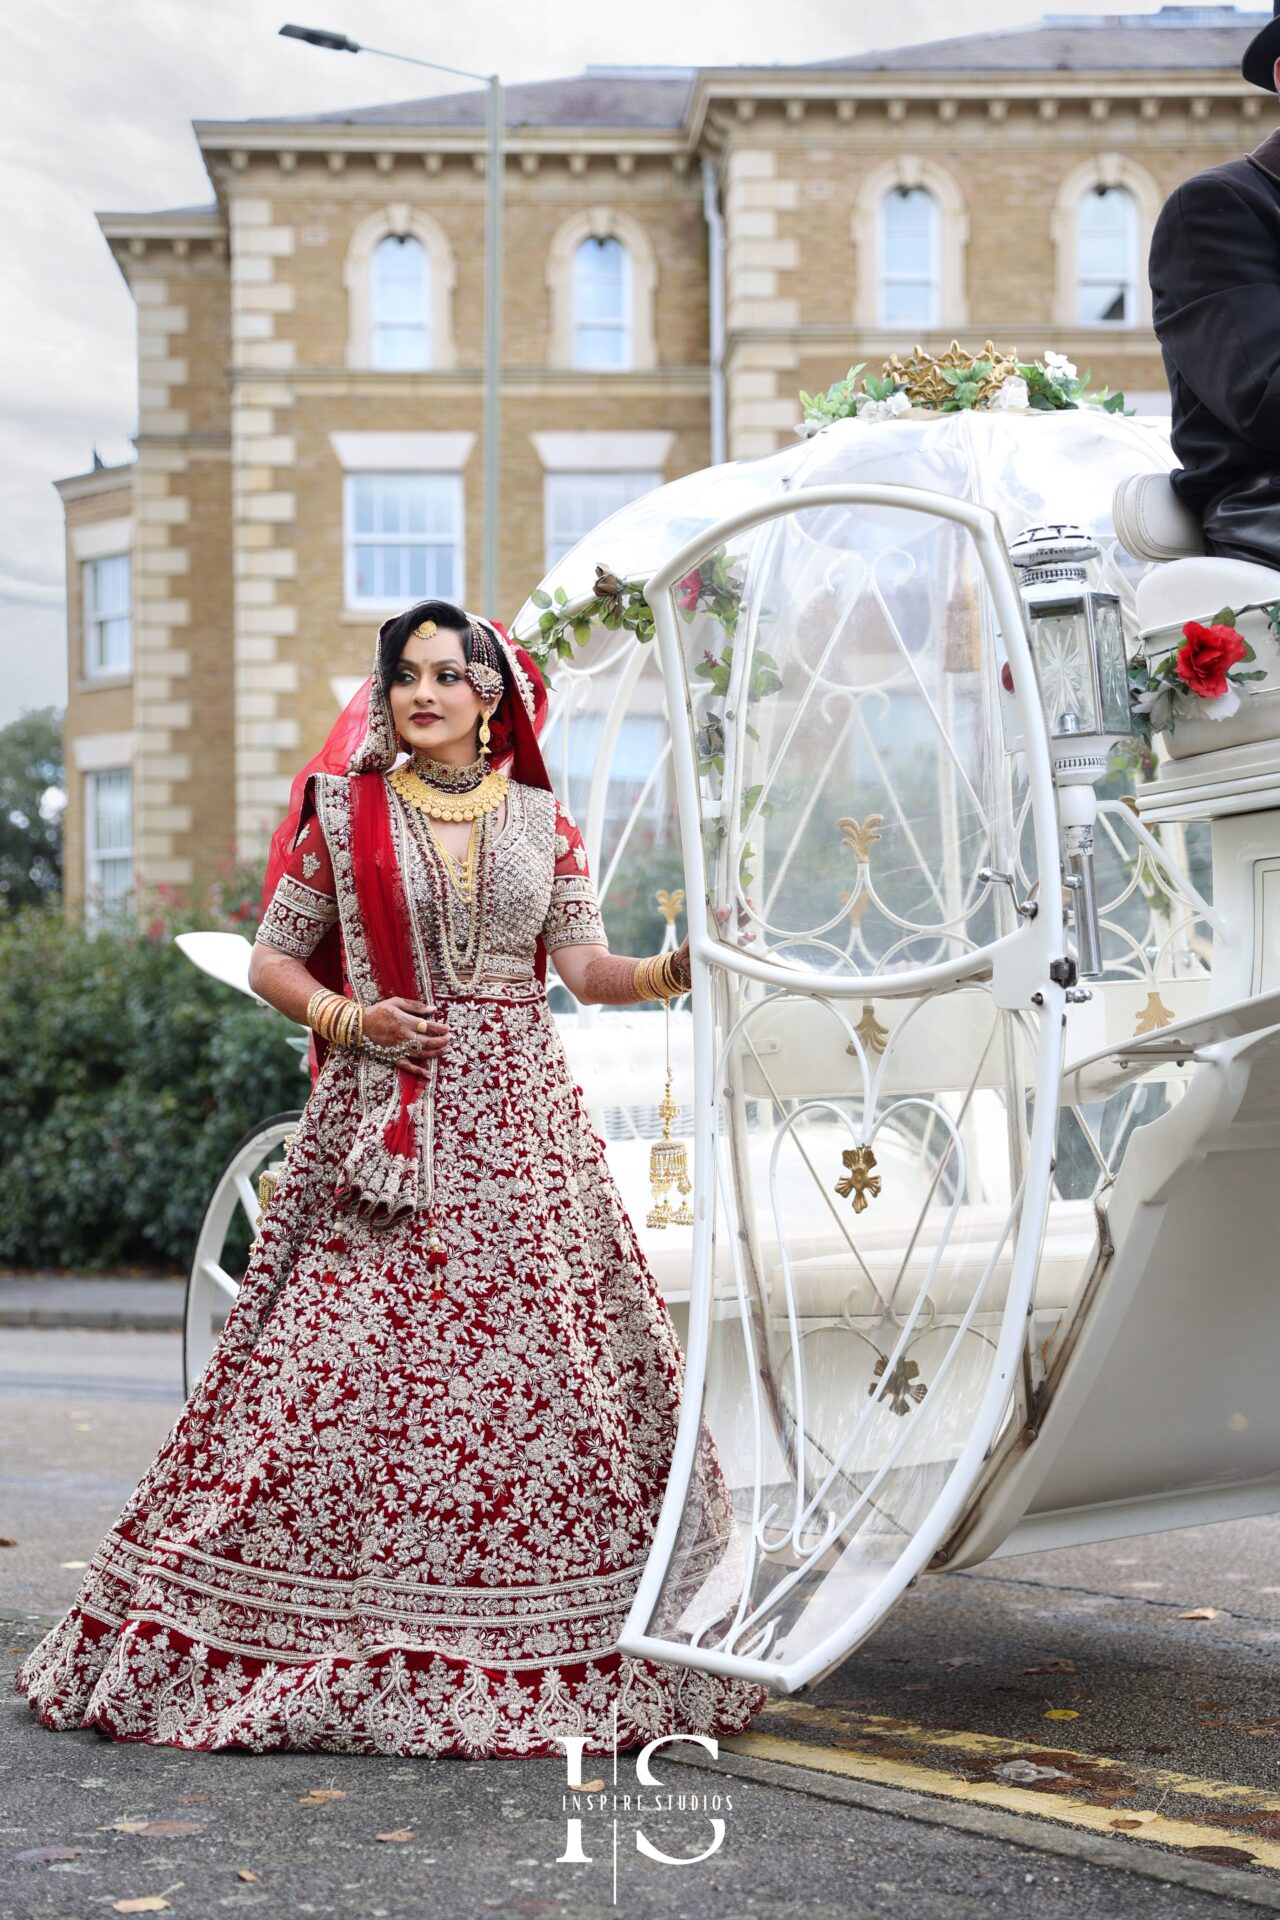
[924, 375]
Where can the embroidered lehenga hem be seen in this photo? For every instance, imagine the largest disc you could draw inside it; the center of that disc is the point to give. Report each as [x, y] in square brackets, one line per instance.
[159, 1685]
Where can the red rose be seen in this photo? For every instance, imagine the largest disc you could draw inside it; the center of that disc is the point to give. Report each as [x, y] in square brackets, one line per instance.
[1204, 657]
[688, 590]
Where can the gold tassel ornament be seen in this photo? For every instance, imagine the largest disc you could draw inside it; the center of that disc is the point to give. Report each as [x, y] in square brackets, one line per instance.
[668, 1158]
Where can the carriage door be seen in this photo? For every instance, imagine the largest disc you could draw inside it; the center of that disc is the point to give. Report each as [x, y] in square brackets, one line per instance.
[877, 1041]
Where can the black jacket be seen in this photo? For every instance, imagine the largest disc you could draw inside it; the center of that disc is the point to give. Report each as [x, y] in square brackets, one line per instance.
[1215, 285]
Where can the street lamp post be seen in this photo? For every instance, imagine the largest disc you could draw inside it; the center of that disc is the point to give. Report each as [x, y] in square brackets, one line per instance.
[339, 43]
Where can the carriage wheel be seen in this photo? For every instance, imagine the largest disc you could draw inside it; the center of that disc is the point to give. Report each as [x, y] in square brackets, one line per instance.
[229, 1226]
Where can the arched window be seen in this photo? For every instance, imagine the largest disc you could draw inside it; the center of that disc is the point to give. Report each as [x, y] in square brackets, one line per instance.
[602, 304]
[1107, 257]
[908, 258]
[399, 275]
[400, 303]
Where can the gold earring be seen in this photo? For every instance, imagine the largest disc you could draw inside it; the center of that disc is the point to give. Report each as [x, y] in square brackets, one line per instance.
[484, 734]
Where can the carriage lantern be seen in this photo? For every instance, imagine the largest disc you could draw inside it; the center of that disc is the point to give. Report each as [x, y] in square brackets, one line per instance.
[1077, 641]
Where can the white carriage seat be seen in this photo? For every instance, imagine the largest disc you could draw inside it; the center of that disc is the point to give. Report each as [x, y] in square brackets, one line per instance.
[825, 1275]
[1152, 523]
[1150, 520]
[619, 1063]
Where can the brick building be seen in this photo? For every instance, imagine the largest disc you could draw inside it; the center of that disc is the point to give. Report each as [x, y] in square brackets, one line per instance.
[684, 251]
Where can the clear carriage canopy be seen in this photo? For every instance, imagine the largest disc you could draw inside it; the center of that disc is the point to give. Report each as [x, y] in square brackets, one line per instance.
[880, 1235]
[878, 612]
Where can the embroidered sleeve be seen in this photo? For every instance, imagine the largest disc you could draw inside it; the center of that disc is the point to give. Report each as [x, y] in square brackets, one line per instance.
[573, 918]
[305, 903]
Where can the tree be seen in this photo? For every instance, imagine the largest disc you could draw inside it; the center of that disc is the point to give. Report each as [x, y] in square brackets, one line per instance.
[31, 803]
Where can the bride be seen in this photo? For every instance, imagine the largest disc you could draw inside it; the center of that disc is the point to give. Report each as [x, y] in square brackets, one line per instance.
[407, 1505]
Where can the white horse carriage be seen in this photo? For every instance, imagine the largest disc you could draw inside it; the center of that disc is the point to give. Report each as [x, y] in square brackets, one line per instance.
[983, 1049]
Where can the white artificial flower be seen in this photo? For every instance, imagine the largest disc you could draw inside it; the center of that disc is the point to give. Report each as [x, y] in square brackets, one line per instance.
[898, 403]
[1220, 709]
[1058, 366]
[1012, 392]
[877, 410]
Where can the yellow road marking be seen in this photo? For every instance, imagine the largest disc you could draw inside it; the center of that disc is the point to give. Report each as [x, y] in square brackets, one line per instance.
[916, 1776]
[887, 1726]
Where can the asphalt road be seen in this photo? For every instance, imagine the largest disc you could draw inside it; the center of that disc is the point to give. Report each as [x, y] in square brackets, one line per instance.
[1069, 1675]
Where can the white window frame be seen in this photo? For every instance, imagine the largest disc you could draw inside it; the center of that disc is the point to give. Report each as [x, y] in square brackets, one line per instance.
[885, 279]
[350, 482]
[1130, 283]
[624, 328]
[640, 481]
[378, 326]
[94, 621]
[96, 909]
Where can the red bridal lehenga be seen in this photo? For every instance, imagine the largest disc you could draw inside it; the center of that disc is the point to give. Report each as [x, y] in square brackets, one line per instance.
[406, 1507]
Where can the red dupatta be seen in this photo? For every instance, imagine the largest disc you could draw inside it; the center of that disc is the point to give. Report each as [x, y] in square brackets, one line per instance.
[363, 744]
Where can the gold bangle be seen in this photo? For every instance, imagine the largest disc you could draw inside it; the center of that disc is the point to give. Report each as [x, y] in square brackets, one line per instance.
[653, 978]
[315, 1006]
[335, 1018]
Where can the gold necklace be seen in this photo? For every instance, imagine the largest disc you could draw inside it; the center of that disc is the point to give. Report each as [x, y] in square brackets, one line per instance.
[463, 957]
[462, 877]
[424, 797]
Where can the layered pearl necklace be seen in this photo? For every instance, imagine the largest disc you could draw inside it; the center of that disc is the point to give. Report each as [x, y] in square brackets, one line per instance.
[432, 790]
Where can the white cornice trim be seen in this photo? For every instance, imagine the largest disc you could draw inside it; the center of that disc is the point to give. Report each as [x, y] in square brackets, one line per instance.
[83, 486]
[218, 137]
[972, 85]
[209, 225]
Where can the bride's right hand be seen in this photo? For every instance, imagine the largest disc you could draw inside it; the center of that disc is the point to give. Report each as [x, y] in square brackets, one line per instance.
[391, 1022]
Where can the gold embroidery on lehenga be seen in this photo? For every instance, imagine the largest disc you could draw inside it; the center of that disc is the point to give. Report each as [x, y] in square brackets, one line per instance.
[397, 1516]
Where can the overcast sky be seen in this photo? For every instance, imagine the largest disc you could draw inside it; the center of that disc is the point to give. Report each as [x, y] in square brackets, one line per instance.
[98, 110]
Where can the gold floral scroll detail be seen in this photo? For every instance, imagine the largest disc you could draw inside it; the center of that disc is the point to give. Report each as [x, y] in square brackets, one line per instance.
[669, 903]
[874, 1037]
[859, 1180]
[927, 384]
[861, 835]
[902, 1387]
[1153, 1016]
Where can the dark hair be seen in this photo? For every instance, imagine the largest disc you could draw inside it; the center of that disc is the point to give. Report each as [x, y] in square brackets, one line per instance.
[397, 633]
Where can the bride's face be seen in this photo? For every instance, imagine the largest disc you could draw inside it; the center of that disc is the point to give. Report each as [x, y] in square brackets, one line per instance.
[435, 708]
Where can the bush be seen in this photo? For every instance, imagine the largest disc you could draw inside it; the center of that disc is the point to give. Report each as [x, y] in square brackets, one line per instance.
[129, 1077]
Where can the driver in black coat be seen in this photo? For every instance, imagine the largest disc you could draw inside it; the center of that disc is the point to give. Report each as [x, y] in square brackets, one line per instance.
[1215, 284]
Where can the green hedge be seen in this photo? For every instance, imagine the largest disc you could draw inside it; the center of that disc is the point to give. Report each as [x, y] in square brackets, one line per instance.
[128, 1078]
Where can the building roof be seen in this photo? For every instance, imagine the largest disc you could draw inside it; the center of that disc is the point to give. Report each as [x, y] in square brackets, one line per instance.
[600, 97]
[656, 99]
[1173, 37]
